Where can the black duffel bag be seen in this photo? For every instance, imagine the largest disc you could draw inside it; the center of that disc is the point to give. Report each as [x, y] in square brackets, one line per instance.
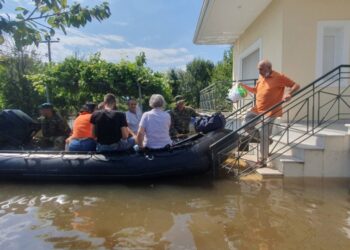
[206, 123]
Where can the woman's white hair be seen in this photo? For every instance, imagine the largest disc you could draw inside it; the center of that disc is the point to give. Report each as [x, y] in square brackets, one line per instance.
[157, 101]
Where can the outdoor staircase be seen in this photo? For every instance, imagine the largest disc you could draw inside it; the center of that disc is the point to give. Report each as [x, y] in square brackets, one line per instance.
[310, 140]
[324, 154]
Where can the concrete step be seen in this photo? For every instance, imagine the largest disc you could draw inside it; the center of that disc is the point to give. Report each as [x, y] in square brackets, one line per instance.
[331, 140]
[290, 158]
[269, 172]
[301, 160]
[296, 137]
[324, 154]
[293, 169]
[317, 136]
[294, 149]
[288, 165]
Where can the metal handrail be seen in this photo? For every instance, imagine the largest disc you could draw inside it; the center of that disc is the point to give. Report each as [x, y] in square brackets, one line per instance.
[282, 102]
[306, 99]
[213, 99]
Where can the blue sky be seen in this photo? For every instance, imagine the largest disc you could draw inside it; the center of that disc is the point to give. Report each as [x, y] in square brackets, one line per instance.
[163, 29]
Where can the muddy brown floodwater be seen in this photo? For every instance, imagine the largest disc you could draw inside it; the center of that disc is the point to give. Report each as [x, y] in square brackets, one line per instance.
[183, 214]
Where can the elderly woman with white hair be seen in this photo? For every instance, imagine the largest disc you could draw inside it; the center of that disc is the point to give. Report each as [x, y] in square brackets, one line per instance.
[154, 126]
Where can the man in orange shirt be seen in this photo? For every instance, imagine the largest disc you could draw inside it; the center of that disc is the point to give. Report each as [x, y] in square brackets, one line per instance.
[269, 90]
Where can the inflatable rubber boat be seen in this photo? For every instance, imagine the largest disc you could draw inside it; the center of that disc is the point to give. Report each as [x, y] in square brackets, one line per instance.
[187, 157]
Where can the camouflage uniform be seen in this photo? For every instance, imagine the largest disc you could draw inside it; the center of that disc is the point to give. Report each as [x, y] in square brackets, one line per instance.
[180, 120]
[55, 131]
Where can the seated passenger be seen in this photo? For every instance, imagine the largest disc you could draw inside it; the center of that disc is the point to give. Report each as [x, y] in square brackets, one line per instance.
[54, 129]
[82, 138]
[111, 128]
[100, 105]
[181, 117]
[133, 115]
[154, 126]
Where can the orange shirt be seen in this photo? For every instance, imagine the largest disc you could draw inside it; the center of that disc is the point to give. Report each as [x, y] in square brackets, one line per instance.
[82, 128]
[269, 91]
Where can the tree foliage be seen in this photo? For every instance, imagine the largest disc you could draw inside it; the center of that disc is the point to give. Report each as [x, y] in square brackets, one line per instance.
[223, 69]
[175, 81]
[31, 26]
[16, 91]
[189, 83]
[222, 79]
[199, 74]
[75, 81]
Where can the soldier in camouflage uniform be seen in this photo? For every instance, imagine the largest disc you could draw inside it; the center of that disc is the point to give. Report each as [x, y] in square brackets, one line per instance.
[181, 117]
[54, 129]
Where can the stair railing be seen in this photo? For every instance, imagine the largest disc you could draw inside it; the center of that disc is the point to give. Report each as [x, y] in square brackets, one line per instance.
[318, 105]
[213, 97]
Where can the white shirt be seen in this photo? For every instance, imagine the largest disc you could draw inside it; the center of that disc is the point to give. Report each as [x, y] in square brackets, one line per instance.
[133, 119]
[156, 124]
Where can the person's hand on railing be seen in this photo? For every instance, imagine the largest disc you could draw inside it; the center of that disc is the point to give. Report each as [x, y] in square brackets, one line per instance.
[287, 97]
[292, 90]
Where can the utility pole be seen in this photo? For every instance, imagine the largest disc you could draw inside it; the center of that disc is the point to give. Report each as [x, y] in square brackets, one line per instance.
[140, 95]
[139, 79]
[49, 41]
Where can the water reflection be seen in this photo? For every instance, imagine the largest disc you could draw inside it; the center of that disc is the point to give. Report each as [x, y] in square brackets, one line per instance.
[268, 214]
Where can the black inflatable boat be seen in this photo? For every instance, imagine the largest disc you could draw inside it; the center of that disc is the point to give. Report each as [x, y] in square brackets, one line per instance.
[188, 157]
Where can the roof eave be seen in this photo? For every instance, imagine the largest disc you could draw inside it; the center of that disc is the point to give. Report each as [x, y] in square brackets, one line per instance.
[224, 22]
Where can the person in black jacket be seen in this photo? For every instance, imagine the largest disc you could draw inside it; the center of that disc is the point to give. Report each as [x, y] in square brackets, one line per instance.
[111, 128]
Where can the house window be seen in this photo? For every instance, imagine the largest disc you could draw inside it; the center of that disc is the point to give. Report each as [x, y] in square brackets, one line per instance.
[332, 45]
[248, 61]
[249, 64]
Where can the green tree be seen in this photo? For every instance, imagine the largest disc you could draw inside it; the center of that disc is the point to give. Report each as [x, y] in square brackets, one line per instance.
[222, 79]
[198, 76]
[45, 17]
[223, 69]
[16, 91]
[174, 78]
[141, 59]
[75, 81]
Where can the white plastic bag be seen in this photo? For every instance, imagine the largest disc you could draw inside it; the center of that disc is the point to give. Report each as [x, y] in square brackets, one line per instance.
[236, 93]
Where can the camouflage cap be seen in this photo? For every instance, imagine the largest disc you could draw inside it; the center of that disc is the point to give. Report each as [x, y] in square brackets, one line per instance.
[46, 105]
[179, 98]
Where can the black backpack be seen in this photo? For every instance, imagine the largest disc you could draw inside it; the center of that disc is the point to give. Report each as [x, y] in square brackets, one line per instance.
[206, 123]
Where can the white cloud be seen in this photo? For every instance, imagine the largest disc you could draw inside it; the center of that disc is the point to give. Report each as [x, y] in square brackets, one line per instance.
[77, 42]
[86, 44]
[158, 58]
[58, 52]
[113, 38]
[77, 38]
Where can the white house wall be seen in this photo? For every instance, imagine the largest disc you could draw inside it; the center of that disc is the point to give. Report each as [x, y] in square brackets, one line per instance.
[300, 39]
[301, 20]
[287, 30]
[268, 29]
